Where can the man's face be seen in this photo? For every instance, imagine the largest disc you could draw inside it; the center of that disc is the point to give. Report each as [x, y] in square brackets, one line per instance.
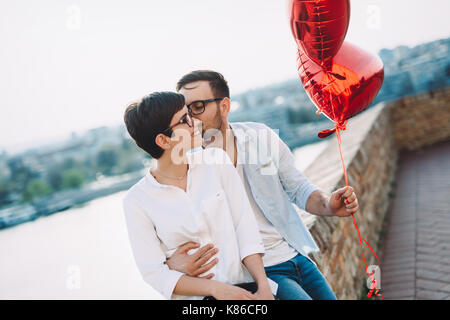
[211, 118]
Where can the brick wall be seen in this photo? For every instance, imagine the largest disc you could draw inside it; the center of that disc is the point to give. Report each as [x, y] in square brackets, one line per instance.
[370, 146]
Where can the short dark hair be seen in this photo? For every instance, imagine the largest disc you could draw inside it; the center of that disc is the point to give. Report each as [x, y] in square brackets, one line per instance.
[217, 82]
[149, 117]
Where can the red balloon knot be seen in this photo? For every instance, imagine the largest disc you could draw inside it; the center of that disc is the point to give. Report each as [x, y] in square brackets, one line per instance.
[341, 126]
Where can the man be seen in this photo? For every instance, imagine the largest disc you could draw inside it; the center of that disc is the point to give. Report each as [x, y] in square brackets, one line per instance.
[272, 184]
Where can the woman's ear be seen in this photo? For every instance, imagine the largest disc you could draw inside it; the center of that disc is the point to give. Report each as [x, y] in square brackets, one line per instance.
[162, 141]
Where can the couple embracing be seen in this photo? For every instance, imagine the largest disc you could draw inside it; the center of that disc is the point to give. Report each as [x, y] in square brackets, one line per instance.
[214, 217]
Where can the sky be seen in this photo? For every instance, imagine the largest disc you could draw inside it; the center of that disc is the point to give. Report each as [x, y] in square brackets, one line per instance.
[68, 66]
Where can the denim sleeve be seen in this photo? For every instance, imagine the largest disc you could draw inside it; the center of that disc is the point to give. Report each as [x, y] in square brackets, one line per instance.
[295, 184]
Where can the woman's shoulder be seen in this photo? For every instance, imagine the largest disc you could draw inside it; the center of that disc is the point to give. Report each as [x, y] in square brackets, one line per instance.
[140, 195]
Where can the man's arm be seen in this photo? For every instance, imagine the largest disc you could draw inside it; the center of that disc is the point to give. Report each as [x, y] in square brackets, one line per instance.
[297, 187]
[341, 203]
[303, 193]
[317, 203]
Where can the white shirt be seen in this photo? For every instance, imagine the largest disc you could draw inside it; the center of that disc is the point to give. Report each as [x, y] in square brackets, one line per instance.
[214, 209]
[277, 250]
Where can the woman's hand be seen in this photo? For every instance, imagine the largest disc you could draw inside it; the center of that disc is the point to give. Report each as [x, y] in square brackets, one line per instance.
[224, 291]
[264, 292]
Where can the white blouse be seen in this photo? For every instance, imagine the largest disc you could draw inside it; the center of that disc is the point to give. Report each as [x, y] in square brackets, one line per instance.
[214, 209]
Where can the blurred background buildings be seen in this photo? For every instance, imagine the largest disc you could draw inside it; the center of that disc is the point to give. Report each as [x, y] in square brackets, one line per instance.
[103, 160]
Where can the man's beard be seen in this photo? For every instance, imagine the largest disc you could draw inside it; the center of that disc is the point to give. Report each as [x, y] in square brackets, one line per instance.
[218, 120]
[217, 125]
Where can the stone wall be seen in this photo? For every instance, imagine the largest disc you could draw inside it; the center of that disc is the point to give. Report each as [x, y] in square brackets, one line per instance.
[370, 146]
[422, 119]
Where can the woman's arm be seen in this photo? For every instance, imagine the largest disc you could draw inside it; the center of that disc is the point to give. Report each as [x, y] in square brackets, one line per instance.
[193, 286]
[255, 266]
[247, 231]
[150, 258]
[147, 251]
[244, 221]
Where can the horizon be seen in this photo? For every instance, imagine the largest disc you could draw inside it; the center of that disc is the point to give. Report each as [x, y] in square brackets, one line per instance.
[51, 141]
[72, 67]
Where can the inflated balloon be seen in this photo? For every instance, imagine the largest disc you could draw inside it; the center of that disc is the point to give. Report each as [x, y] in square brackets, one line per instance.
[341, 79]
[319, 27]
[346, 88]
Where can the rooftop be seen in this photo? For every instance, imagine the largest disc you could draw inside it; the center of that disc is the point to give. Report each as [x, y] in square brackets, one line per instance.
[416, 249]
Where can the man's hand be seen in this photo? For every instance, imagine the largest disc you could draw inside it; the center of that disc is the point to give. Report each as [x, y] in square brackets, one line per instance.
[343, 202]
[193, 265]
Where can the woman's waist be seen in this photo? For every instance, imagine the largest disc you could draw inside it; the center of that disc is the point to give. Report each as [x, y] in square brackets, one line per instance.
[228, 269]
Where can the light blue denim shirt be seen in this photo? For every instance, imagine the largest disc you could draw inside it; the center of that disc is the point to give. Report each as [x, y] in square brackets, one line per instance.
[275, 182]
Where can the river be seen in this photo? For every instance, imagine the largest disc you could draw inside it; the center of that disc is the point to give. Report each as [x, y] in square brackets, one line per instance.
[82, 253]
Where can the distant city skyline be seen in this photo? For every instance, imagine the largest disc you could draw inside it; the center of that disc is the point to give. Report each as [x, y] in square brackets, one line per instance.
[70, 66]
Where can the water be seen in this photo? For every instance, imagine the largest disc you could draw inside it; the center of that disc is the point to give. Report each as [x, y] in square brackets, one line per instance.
[81, 253]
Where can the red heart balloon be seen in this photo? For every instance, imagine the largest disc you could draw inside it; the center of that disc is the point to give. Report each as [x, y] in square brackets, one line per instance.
[346, 88]
[319, 27]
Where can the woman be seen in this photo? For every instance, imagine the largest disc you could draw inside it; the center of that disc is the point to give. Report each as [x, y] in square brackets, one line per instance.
[189, 196]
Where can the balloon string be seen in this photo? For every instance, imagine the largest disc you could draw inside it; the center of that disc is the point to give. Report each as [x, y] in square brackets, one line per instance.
[373, 287]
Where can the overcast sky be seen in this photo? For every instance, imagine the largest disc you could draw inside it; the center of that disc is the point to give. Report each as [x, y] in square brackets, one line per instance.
[72, 65]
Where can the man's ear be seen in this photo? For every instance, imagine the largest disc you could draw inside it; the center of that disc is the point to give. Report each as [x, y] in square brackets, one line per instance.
[162, 141]
[225, 106]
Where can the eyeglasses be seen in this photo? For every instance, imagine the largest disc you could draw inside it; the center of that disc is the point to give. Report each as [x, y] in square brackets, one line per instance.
[198, 107]
[184, 119]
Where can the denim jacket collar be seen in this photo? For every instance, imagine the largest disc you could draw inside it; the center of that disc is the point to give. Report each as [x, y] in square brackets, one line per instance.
[247, 147]
[241, 135]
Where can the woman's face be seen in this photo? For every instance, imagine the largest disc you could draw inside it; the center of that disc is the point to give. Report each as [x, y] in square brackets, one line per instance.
[186, 134]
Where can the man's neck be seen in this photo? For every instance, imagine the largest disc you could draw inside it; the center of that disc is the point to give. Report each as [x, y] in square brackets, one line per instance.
[229, 144]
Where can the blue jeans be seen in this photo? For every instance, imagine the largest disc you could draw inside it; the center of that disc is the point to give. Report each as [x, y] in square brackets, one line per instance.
[299, 279]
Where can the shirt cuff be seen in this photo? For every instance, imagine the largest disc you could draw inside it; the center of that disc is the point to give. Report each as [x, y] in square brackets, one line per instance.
[311, 188]
[251, 249]
[168, 282]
